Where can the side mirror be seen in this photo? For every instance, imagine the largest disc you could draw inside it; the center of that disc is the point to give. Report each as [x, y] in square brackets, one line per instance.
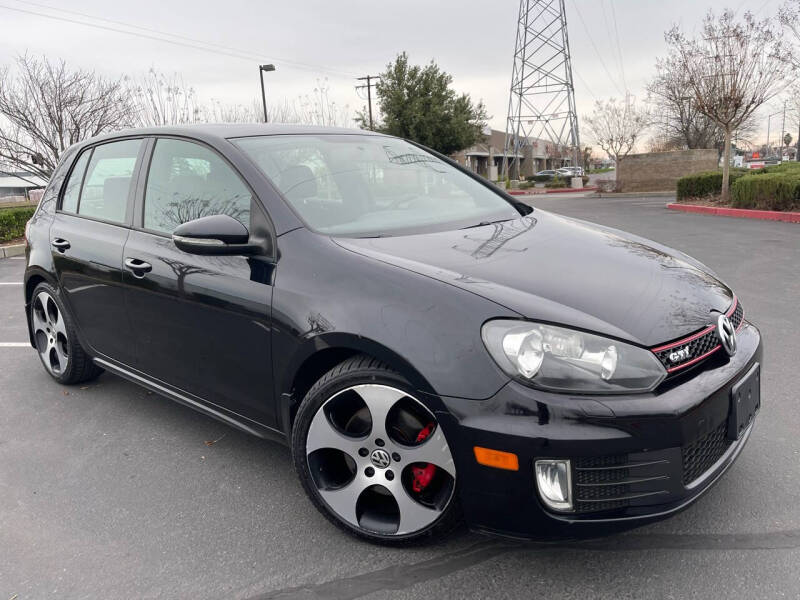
[214, 235]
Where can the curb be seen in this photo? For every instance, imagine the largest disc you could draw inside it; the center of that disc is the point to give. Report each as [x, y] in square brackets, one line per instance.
[742, 213]
[663, 194]
[531, 192]
[9, 251]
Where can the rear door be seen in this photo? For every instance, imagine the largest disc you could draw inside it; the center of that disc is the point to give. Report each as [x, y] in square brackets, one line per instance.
[88, 236]
[202, 323]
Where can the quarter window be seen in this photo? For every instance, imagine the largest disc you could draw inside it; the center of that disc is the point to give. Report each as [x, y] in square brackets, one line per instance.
[188, 181]
[108, 181]
[72, 191]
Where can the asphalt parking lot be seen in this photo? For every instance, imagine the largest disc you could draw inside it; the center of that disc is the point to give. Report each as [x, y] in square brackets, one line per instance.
[108, 491]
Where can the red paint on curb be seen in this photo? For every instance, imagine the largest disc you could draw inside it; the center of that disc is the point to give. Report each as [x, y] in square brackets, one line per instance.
[743, 213]
[530, 192]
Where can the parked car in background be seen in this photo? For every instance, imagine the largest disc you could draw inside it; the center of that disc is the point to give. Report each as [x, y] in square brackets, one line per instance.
[570, 171]
[549, 173]
[430, 348]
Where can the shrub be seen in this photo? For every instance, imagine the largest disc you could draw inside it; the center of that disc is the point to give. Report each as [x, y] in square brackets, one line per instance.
[556, 182]
[767, 191]
[607, 185]
[705, 183]
[787, 167]
[12, 222]
[539, 178]
[585, 180]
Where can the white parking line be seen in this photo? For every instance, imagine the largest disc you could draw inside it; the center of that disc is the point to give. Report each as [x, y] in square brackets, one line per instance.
[15, 345]
[10, 283]
[17, 257]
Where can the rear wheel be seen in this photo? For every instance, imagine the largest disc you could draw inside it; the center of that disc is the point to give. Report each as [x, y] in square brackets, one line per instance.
[373, 458]
[55, 339]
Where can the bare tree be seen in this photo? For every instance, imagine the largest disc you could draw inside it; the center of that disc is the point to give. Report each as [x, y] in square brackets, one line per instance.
[217, 111]
[676, 118]
[678, 121]
[316, 108]
[616, 127]
[161, 99]
[731, 69]
[789, 18]
[46, 107]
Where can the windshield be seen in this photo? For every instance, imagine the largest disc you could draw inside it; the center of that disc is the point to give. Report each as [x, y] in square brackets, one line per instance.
[364, 186]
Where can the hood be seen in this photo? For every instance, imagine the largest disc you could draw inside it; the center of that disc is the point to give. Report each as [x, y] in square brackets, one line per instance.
[559, 270]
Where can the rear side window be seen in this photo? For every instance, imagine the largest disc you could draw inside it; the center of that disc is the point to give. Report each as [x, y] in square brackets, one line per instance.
[107, 183]
[72, 191]
[188, 181]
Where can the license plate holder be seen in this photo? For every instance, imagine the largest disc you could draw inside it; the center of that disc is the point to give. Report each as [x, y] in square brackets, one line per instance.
[745, 402]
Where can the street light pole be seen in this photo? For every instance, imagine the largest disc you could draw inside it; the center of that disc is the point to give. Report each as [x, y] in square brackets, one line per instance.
[783, 128]
[261, 69]
[769, 122]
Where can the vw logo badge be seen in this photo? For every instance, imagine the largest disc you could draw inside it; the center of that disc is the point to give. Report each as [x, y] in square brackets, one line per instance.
[727, 334]
[380, 458]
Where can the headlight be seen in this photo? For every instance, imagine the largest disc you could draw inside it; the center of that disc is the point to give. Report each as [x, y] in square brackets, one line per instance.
[565, 360]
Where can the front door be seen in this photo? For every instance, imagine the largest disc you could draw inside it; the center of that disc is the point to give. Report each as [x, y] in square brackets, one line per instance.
[202, 323]
[88, 236]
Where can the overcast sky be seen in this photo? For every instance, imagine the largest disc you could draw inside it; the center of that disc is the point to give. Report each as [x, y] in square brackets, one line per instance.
[342, 39]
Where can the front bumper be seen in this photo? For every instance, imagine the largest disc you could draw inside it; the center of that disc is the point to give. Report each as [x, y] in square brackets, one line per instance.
[634, 458]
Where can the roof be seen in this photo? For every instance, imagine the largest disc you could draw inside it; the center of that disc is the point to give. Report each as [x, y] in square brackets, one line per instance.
[27, 181]
[221, 131]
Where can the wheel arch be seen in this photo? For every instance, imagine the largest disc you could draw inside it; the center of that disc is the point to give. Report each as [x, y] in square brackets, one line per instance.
[33, 277]
[320, 354]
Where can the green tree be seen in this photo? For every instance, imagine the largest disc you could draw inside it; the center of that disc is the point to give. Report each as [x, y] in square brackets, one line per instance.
[417, 103]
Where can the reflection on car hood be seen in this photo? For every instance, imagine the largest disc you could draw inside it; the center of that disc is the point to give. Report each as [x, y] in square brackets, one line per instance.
[552, 268]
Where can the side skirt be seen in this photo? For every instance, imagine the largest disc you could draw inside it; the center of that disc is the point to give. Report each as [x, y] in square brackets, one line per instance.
[246, 425]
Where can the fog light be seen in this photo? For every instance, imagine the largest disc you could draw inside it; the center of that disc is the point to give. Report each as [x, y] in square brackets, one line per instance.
[555, 483]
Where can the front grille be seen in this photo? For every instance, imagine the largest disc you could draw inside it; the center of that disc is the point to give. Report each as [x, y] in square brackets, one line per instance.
[606, 483]
[698, 345]
[737, 316]
[610, 482]
[700, 455]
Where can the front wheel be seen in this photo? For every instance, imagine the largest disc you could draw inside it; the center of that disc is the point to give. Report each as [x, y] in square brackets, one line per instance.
[373, 458]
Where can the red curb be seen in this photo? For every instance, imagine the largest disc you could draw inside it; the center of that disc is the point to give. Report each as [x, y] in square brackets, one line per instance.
[530, 192]
[742, 213]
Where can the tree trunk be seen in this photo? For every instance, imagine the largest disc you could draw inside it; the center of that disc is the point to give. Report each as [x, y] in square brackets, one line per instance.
[726, 166]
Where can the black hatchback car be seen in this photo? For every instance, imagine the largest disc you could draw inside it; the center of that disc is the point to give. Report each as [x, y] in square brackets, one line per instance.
[431, 349]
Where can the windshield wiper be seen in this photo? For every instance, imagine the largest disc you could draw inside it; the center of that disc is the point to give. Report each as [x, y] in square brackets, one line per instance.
[485, 223]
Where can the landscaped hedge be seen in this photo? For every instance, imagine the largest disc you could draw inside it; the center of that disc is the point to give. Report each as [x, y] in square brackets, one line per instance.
[12, 222]
[768, 191]
[556, 182]
[705, 183]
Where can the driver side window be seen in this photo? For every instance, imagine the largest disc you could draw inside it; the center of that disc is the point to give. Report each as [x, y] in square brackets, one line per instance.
[187, 181]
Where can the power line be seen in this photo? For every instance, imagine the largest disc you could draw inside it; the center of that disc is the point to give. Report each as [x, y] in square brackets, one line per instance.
[584, 84]
[179, 40]
[619, 49]
[596, 51]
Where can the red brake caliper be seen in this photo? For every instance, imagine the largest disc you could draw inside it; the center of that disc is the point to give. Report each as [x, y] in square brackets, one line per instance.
[423, 475]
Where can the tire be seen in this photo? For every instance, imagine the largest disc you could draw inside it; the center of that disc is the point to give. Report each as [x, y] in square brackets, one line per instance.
[55, 339]
[333, 454]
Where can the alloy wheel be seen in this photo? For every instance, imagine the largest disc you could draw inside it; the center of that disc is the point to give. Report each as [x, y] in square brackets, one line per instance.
[380, 461]
[50, 334]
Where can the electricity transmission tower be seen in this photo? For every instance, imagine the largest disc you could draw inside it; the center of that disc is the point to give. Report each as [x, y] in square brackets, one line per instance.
[542, 99]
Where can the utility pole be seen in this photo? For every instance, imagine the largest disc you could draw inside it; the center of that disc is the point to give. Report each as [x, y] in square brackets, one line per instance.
[541, 101]
[369, 84]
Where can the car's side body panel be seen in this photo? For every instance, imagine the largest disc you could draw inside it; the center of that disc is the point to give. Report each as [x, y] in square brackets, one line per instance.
[325, 293]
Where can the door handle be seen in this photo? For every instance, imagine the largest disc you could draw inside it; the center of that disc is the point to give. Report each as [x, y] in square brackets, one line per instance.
[138, 267]
[60, 244]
